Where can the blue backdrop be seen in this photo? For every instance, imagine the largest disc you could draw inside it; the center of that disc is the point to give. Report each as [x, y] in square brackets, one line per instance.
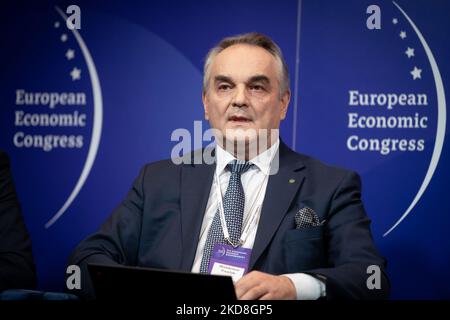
[135, 71]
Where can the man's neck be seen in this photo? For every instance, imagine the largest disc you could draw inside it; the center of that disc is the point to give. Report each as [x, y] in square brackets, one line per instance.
[247, 150]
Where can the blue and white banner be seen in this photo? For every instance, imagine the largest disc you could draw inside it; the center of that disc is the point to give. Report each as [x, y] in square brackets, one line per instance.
[83, 109]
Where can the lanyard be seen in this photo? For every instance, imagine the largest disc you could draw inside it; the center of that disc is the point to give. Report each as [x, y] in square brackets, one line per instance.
[251, 219]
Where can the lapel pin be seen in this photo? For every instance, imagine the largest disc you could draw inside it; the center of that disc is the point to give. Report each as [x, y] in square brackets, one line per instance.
[291, 180]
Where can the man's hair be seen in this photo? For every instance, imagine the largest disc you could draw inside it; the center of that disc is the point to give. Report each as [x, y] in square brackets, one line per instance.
[253, 39]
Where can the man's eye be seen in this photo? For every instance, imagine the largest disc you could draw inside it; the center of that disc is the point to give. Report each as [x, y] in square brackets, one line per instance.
[257, 88]
[224, 87]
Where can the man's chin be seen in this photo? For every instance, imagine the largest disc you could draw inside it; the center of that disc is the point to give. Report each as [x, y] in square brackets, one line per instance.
[240, 125]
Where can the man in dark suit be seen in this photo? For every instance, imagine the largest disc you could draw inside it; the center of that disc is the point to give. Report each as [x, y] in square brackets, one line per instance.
[17, 268]
[298, 225]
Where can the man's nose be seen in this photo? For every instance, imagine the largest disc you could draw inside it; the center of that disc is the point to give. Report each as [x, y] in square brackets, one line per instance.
[240, 97]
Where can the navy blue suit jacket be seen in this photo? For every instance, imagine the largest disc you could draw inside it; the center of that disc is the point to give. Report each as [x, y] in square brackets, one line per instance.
[158, 225]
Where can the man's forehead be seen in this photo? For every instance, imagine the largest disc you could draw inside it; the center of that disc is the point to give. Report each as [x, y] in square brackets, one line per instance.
[242, 58]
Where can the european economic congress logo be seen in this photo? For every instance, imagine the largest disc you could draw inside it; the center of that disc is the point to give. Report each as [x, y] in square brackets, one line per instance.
[65, 112]
[389, 122]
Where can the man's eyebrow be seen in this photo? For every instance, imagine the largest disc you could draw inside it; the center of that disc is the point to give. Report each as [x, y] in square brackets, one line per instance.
[259, 78]
[222, 78]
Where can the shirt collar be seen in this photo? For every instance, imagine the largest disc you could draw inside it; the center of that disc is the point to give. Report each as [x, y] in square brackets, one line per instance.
[262, 161]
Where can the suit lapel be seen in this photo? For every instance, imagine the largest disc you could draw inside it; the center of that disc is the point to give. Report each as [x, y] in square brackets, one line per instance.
[280, 192]
[196, 181]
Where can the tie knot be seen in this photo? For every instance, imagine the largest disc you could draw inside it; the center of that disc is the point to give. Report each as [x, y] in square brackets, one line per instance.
[239, 166]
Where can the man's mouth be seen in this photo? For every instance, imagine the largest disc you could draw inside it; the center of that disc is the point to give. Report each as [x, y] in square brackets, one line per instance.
[239, 119]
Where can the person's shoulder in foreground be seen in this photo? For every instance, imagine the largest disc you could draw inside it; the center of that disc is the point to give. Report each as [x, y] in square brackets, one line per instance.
[17, 268]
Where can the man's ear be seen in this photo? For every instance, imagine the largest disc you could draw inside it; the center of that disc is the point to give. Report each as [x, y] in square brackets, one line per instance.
[285, 104]
[205, 105]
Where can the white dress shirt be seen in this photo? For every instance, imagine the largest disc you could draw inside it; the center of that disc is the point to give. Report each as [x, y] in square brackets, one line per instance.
[254, 182]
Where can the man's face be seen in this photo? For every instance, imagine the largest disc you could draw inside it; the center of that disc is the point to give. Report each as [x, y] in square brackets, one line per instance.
[244, 91]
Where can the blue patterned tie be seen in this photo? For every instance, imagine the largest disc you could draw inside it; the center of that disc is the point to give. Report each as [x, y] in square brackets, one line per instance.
[233, 205]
